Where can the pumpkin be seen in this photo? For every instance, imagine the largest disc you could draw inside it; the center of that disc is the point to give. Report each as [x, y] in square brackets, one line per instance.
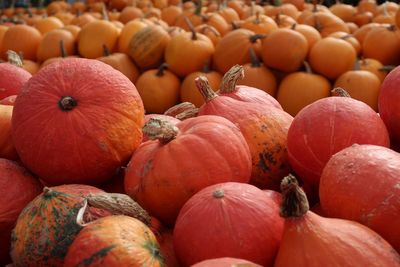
[332, 123]
[217, 21]
[363, 18]
[12, 79]
[3, 30]
[158, 89]
[58, 95]
[188, 52]
[82, 20]
[72, 29]
[210, 32]
[149, 179]
[233, 49]
[47, 226]
[48, 24]
[346, 243]
[387, 103]
[228, 13]
[129, 14]
[147, 46]
[188, 90]
[129, 30]
[369, 172]
[374, 66]
[263, 127]
[230, 220]
[326, 23]
[14, 179]
[381, 43]
[225, 262]
[331, 57]
[259, 24]
[300, 89]
[114, 241]
[309, 32]
[7, 149]
[361, 85]
[284, 21]
[367, 6]
[343, 11]
[348, 38]
[30, 66]
[94, 36]
[363, 31]
[191, 14]
[170, 14]
[283, 9]
[284, 50]
[21, 39]
[122, 63]
[50, 45]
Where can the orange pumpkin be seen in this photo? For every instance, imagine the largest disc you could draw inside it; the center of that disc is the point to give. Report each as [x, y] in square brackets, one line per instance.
[311, 34]
[48, 24]
[343, 11]
[348, 38]
[83, 19]
[130, 13]
[94, 36]
[326, 23]
[50, 45]
[210, 32]
[374, 66]
[260, 24]
[170, 14]
[159, 89]
[129, 30]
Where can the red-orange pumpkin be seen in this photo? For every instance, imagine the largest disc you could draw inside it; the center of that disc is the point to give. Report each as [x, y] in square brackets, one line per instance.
[361, 183]
[47, 225]
[87, 123]
[7, 149]
[14, 179]
[345, 243]
[114, 241]
[327, 126]
[164, 173]
[225, 262]
[228, 220]
[12, 79]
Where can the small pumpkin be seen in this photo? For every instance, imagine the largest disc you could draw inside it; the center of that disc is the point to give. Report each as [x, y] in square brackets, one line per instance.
[149, 179]
[48, 24]
[13, 79]
[347, 243]
[50, 45]
[311, 34]
[129, 30]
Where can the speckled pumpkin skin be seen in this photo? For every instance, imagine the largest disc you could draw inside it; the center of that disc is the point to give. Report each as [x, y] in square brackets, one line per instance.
[47, 226]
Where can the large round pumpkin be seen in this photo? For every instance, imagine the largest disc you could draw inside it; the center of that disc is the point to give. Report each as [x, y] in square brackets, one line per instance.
[114, 241]
[164, 173]
[361, 183]
[12, 79]
[228, 220]
[328, 126]
[77, 121]
[389, 109]
[47, 225]
[14, 179]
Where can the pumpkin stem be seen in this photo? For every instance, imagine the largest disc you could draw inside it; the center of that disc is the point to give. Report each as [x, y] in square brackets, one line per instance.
[293, 27]
[307, 67]
[204, 88]
[105, 13]
[235, 26]
[294, 200]
[119, 204]
[255, 62]
[391, 27]
[257, 20]
[182, 111]
[339, 91]
[162, 130]
[161, 69]
[228, 84]
[219, 193]
[199, 7]
[255, 37]
[63, 52]
[106, 51]
[67, 103]
[14, 59]
[357, 65]
[191, 27]
[387, 68]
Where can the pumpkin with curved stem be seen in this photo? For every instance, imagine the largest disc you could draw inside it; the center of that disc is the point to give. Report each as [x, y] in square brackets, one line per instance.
[115, 241]
[369, 173]
[194, 48]
[147, 46]
[324, 56]
[387, 103]
[284, 50]
[263, 127]
[159, 89]
[332, 123]
[14, 179]
[259, 24]
[302, 88]
[50, 45]
[150, 184]
[226, 54]
[228, 218]
[229, 87]
[346, 243]
[98, 143]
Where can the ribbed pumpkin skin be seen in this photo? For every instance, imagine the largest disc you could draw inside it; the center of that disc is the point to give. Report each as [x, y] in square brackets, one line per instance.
[314, 241]
[47, 226]
[14, 179]
[361, 183]
[244, 223]
[265, 130]
[88, 143]
[114, 241]
[207, 150]
[327, 126]
[12, 79]
[225, 262]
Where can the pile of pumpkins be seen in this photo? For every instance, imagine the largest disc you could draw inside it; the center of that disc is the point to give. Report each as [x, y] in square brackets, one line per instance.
[99, 167]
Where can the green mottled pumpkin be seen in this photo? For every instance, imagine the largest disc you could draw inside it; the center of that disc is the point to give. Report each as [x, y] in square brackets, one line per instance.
[47, 225]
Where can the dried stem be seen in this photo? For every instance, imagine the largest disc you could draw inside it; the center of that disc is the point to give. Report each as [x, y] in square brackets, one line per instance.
[204, 88]
[294, 200]
[339, 91]
[161, 130]
[228, 84]
[14, 59]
